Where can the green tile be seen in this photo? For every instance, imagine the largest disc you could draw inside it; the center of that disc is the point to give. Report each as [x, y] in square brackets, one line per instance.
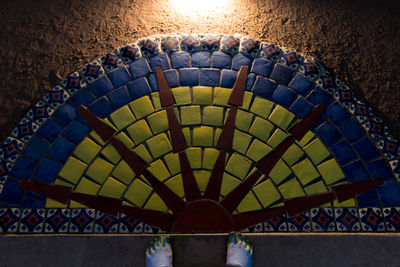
[139, 131]
[138, 192]
[209, 158]
[87, 187]
[158, 169]
[247, 100]
[307, 138]
[99, 170]
[182, 95]
[280, 172]
[155, 203]
[293, 154]
[158, 122]
[159, 145]
[281, 117]
[194, 156]
[238, 166]
[190, 115]
[316, 188]
[249, 203]
[202, 177]
[142, 152]
[221, 96]
[261, 129]
[213, 116]
[330, 171]
[241, 141]
[123, 172]
[291, 189]
[203, 136]
[155, 97]
[125, 140]
[243, 120]
[112, 188]
[111, 153]
[172, 161]
[305, 171]
[72, 170]
[122, 117]
[202, 95]
[261, 107]
[176, 185]
[141, 107]
[277, 137]
[317, 151]
[258, 150]
[267, 193]
[228, 183]
[87, 150]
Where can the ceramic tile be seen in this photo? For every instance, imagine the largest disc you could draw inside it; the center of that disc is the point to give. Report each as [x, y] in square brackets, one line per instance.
[299, 223]
[328, 82]
[291, 59]
[209, 77]
[345, 96]
[105, 223]
[281, 74]
[361, 111]
[396, 168]
[190, 43]
[240, 60]
[57, 221]
[111, 61]
[5, 169]
[189, 76]
[130, 53]
[283, 96]
[25, 130]
[347, 220]
[32, 220]
[9, 220]
[159, 60]
[220, 60]
[311, 68]
[92, 71]
[209, 43]
[249, 47]
[73, 83]
[270, 52]
[376, 128]
[129, 225]
[180, 60]
[149, 47]
[170, 44]
[372, 220]
[392, 218]
[39, 113]
[230, 44]
[323, 220]
[201, 59]
[277, 224]
[264, 87]
[10, 149]
[82, 221]
[262, 66]
[56, 97]
[255, 228]
[389, 147]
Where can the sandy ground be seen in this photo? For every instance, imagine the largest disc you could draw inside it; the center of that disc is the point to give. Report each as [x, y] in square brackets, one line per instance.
[42, 41]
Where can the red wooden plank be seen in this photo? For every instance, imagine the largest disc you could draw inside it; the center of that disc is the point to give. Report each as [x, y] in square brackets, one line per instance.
[177, 138]
[106, 204]
[192, 191]
[298, 205]
[247, 219]
[226, 138]
[236, 98]
[59, 193]
[301, 128]
[156, 218]
[166, 96]
[213, 189]
[102, 129]
[346, 191]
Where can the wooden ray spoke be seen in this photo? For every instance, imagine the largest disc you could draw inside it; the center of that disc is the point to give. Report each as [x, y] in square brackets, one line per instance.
[236, 98]
[177, 138]
[170, 199]
[156, 218]
[226, 138]
[233, 199]
[102, 129]
[166, 96]
[247, 219]
[190, 186]
[301, 128]
[59, 193]
[106, 204]
[346, 191]
[298, 205]
[213, 189]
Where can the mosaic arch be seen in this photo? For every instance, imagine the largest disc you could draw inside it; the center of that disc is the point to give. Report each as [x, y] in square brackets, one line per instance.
[199, 133]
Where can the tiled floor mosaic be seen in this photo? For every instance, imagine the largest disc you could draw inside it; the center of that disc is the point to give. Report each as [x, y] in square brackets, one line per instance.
[57, 143]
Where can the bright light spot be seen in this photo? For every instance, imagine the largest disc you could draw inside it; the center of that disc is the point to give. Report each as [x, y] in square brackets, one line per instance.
[201, 7]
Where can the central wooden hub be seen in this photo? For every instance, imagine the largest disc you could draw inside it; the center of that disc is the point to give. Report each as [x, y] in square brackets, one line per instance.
[203, 216]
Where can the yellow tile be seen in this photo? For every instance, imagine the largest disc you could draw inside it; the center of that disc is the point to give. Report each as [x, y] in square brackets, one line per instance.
[99, 170]
[221, 96]
[307, 138]
[182, 95]
[158, 122]
[202, 95]
[348, 203]
[72, 170]
[194, 156]
[141, 107]
[111, 153]
[87, 150]
[123, 172]
[241, 141]
[317, 151]
[213, 116]
[258, 150]
[51, 203]
[125, 140]
[249, 203]
[292, 155]
[305, 171]
[267, 193]
[280, 172]
[261, 107]
[142, 152]
[261, 129]
[202, 177]
[138, 192]
[155, 203]
[139, 131]
[243, 120]
[291, 189]
[155, 97]
[281, 117]
[112, 188]
[176, 185]
[159, 145]
[209, 158]
[96, 138]
[217, 134]
[122, 117]
[276, 138]
[172, 161]
[87, 187]
[190, 115]
[247, 100]
[228, 183]
[238, 166]
[203, 136]
[158, 169]
[330, 171]
[187, 133]
[316, 188]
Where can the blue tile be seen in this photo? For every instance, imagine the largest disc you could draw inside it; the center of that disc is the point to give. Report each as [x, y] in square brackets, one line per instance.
[389, 193]
[153, 82]
[159, 60]
[50, 130]
[319, 96]
[284, 96]
[119, 76]
[61, 149]
[36, 148]
[368, 199]
[101, 86]
[240, 60]
[139, 87]
[281, 74]
[31, 203]
[76, 131]
[101, 108]
[189, 77]
[209, 77]
[264, 87]
[352, 130]
[12, 193]
[172, 78]
[262, 66]
[301, 107]
[139, 68]
[380, 169]
[366, 149]
[83, 97]
[23, 168]
[220, 60]
[119, 97]
[336, 113]
[228, 78]
[180, 60]
[355, 171]
[301, 84]
[48, 170]
[328, 133]
[65, 113]
[343, 152]
[250, 81]
[201, 59]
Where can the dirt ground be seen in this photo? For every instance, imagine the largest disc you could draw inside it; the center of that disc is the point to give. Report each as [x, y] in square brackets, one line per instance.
[42, 41]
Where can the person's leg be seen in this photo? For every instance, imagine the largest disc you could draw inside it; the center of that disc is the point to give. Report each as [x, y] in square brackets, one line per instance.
[159, 253]
[240, 252]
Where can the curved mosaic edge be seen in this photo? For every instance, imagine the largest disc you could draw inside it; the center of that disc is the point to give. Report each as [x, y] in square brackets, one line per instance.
[210, 60]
